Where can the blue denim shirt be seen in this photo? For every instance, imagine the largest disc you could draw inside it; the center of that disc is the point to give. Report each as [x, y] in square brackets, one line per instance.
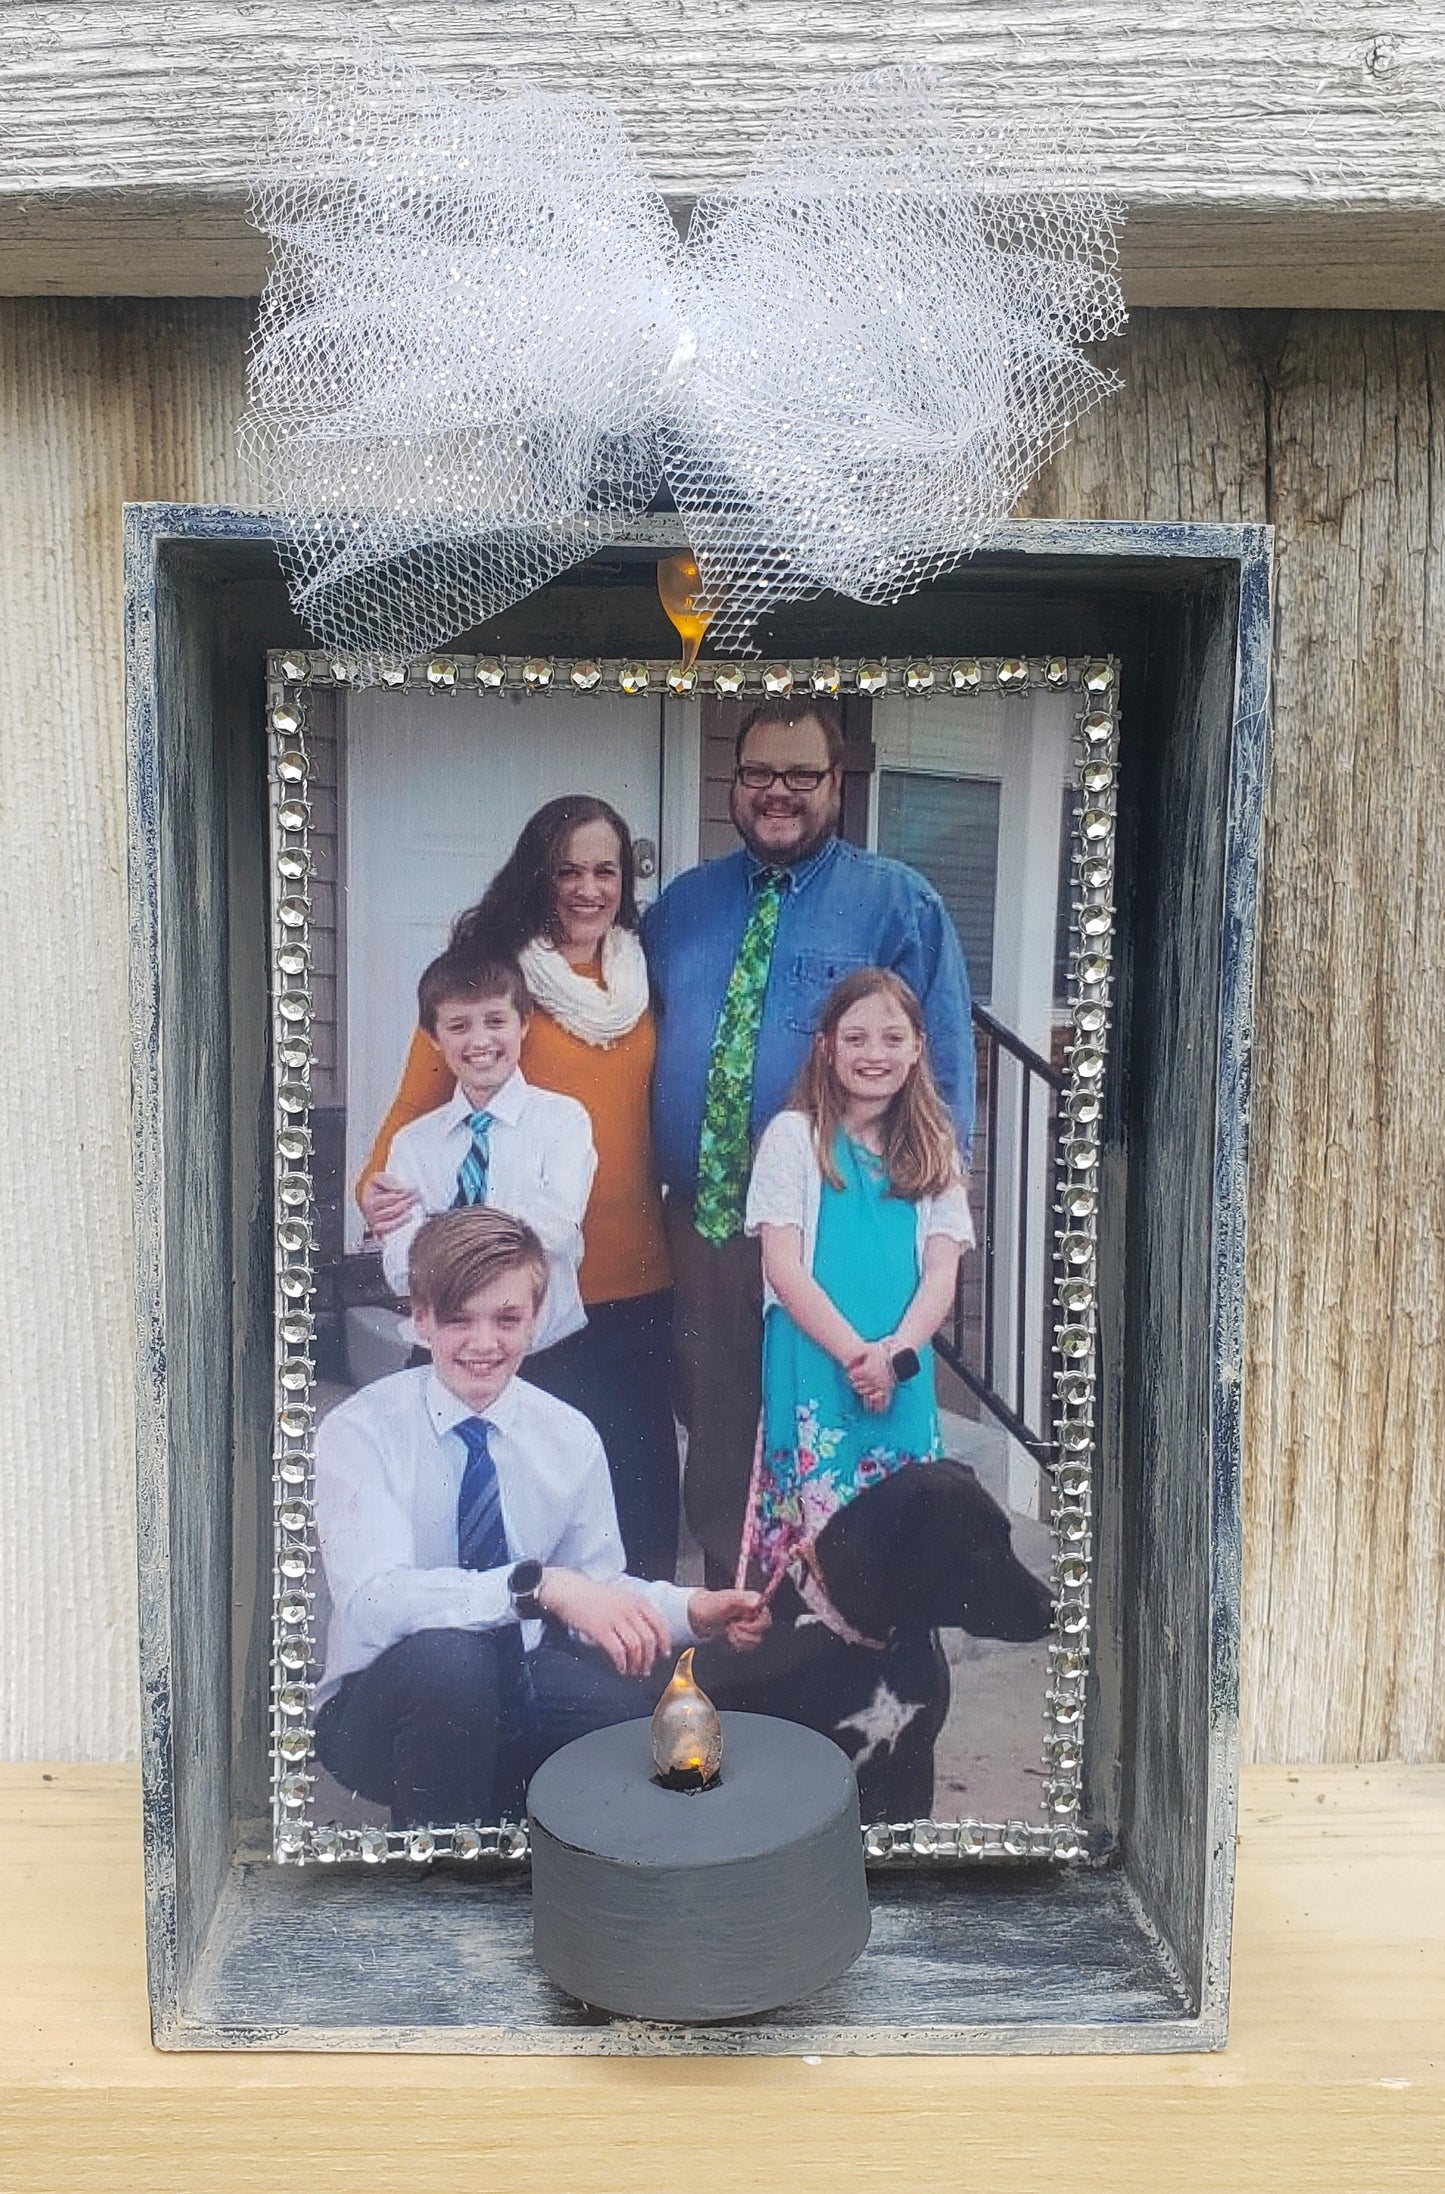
[844, 909]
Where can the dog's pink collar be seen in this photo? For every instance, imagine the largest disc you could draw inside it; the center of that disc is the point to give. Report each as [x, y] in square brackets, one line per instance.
[814, 1595]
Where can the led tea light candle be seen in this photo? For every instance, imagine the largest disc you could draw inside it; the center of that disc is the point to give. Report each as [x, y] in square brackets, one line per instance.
[679, 586]
[700, 1866]
[687, 1740]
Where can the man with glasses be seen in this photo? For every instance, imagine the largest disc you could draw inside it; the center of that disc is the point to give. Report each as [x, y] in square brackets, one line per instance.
[743, 951]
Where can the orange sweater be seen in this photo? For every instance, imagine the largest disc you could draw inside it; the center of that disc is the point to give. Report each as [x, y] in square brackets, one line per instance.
[624, 1247]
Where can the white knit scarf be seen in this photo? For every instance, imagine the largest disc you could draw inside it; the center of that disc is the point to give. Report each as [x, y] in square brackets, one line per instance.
[597, 1013]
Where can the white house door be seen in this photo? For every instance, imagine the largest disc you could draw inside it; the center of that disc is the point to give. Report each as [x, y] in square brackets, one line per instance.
[434, 792]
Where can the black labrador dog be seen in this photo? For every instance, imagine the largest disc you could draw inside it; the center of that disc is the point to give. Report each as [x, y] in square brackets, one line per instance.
[925, 1550]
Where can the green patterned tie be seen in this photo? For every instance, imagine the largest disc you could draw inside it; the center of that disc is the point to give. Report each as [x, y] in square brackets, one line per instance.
[724, 1151]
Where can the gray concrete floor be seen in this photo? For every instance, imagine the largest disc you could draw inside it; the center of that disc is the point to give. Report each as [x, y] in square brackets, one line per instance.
[988, 1762]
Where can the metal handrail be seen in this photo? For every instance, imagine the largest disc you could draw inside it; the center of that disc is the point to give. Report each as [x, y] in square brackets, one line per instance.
[1011, 1041]
[1011, 1407]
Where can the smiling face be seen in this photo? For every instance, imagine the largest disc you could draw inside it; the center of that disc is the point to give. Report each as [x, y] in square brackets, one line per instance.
[476, 1352]
[586, 889]
[873, 1050]
[778, 824]
[481, 1042]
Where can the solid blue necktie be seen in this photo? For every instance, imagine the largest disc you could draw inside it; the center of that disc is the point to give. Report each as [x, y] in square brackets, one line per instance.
[473, 1171]
[481, 1533]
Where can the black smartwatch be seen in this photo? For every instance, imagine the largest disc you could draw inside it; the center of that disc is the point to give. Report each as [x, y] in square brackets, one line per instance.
[522, 1587]
[905, 1364]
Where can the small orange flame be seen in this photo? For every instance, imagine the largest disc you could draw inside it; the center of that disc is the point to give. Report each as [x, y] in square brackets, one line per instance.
[686, 1732]
[678, 581]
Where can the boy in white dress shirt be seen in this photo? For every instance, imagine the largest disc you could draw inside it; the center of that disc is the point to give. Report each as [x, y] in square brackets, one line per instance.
[496, 1140]
[481, 1615]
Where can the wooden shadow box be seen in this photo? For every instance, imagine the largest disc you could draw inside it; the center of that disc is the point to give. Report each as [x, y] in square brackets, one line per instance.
[1129, 1952]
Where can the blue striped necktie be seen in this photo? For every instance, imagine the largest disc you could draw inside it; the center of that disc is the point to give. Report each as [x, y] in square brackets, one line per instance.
[482, 1544]
[481, 1533]
[473, 1170]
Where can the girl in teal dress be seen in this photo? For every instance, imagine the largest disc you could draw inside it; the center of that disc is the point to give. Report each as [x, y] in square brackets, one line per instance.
[858, 1197]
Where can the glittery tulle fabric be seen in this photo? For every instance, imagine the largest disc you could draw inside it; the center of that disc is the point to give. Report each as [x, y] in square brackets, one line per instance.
[454, 376]
[888, 315]
[483, 347]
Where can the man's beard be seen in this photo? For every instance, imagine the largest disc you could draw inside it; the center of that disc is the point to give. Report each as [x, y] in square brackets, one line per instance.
[771, 857]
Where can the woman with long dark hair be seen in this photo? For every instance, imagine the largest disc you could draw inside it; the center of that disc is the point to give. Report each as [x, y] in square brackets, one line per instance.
[564, 908]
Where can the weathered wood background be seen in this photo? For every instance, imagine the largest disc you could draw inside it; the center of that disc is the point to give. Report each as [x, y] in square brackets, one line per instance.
[1269, 155]
[1328, 425]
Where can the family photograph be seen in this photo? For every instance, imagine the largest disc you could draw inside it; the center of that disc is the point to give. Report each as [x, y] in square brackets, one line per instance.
[666, 1208]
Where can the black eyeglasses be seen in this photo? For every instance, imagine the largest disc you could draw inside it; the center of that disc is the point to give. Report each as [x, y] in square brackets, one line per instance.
[759, 778]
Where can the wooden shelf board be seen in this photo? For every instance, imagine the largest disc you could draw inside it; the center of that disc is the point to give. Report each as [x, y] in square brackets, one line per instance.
[1334, 2076]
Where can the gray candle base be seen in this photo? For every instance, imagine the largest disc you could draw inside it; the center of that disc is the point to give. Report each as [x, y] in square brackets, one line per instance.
[712, 1904]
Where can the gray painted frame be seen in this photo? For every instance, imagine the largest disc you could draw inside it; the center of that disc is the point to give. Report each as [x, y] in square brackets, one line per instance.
[1123, 1957]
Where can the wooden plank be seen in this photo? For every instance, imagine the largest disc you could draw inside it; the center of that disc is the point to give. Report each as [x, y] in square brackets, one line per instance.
[1059, 1965]
[105, 244]
[1179, 1272]
[1185, 438]
[1346, 1540]
[180, 1097]
[1330, 427]
[1272, 254]
[1277, 254]
[1292, 156]
[1334, 2075]
[97, 403]
[1293, 103]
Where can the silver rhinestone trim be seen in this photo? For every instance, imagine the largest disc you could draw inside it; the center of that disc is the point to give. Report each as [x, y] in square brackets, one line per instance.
[644, 678]
[298, 1838]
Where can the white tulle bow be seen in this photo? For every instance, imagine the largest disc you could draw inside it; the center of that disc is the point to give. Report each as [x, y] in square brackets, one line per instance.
[484, 347]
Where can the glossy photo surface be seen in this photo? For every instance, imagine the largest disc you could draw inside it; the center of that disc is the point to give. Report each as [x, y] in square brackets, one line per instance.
[689, 1098]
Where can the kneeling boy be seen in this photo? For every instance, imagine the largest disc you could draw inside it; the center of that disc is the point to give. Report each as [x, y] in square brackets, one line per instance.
[480, 1616]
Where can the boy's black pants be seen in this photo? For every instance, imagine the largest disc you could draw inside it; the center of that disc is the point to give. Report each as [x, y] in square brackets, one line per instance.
[445, 1726]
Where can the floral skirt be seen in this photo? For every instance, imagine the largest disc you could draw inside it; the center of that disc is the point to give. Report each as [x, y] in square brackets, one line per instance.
[819, 1446]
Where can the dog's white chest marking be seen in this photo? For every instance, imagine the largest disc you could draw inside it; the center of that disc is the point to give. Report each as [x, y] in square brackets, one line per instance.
[881, 1723]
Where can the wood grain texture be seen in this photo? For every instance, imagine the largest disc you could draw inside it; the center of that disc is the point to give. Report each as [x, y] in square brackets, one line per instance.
[97, 404]
[1346, 1542]
[1331, 425]
[1293, 156]
[1277, 252]
[1297, 104]
[1333, 2076]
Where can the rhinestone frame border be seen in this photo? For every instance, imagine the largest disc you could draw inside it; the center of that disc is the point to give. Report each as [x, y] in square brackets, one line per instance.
[296, 1838]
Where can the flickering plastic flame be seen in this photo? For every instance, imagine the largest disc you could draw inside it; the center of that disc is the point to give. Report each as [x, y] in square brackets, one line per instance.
[687, 1740]
[678, 580]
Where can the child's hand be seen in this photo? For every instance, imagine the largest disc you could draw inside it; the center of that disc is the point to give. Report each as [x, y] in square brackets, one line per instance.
[627, 1628]
[744, 1616]
[387, 1203]
[870, 1374]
